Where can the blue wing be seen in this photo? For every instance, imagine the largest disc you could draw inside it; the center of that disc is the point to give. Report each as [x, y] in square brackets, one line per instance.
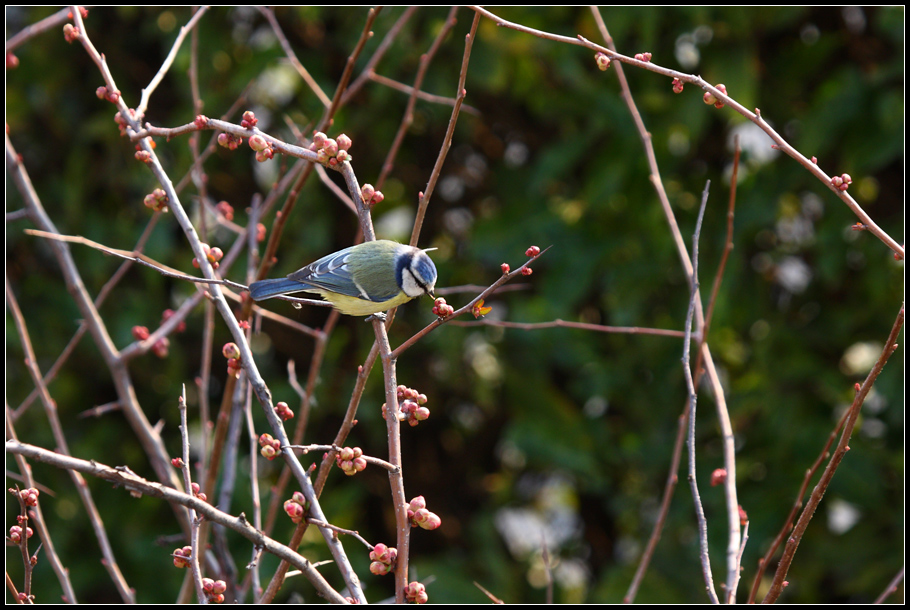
[332, 273]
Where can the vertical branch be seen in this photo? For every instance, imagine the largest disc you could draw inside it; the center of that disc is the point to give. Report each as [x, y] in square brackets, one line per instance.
[690, 384]
[408, 118]
[703, 353]
[195, 563]
[424, 201]
[396, 477]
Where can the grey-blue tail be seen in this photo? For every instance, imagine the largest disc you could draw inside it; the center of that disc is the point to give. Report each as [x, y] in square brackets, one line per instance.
[266, 289]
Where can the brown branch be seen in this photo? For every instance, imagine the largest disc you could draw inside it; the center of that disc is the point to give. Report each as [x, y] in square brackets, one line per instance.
[777, 585]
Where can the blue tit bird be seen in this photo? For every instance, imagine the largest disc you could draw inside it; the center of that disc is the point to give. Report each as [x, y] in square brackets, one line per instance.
[362, 280]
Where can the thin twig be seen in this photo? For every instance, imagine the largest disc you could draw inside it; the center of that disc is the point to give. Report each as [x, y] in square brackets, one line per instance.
[408, 117]
[755, 117]
[269, 14]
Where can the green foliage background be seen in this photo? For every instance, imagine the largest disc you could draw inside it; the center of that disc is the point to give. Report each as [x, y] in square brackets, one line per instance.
[571, 428]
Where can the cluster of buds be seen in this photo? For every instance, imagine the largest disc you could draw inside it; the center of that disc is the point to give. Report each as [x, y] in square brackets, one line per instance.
[643, 57]
[225, 209]
[718, 477]
[677, 85]
[156, 200]
[29, 496]
[263, 148]
[248, 120]
[229, 141]
[212, 255]
[70, 33]
[167, 314]
[197, 492]
[383, 558]
[271, 447]
[479, 310]
[201, 121]
[419, 516]
[416, 593]
[182, 557]
[142, 155]
[104, 93]
[842, 182]
[177, 462]
[406, 393]
[331, 151]
[411, 403]
[283, 411]
[531, 252]
[350, 460]
[214, 590]
[710, 99]
[260, 232]
[603, 62]
[15, 533]
[161, 346]
[232, 353]
[296, 507]
[442, 309]
[370, 195]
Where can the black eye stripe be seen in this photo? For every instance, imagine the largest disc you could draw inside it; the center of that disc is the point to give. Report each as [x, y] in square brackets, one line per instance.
[422, 285]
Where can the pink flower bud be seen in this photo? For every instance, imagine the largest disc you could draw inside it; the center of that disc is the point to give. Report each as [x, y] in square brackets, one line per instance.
[718, 477]
[230, 350]
[603, 62]
[258, 143]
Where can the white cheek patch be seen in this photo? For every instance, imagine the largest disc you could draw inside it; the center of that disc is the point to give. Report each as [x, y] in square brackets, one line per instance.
[410, 285]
